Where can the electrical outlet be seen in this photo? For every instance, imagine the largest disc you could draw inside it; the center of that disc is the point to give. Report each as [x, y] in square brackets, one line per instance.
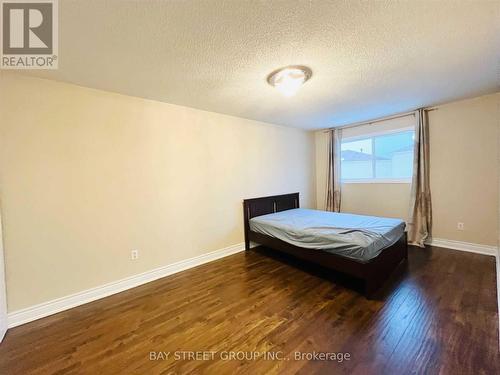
[134, 254]
[460, 226]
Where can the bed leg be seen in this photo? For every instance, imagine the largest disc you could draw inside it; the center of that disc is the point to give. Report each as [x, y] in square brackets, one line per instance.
[371, 287]
[247, 244]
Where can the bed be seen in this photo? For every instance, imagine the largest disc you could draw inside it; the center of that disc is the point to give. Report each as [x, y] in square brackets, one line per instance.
[365, 247]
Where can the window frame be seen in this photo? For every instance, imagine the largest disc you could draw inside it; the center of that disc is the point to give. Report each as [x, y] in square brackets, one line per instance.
[374, 180]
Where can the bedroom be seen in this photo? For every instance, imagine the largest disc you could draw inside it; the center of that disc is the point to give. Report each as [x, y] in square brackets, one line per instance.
[126, 171]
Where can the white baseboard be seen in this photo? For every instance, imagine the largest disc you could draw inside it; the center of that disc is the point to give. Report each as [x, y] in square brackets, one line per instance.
[464, 246]
[44, 309]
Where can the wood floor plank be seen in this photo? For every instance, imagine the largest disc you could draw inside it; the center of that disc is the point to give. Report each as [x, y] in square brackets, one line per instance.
[437, 316]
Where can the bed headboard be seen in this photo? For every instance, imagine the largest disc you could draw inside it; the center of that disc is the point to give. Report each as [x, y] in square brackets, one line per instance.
[267, 205]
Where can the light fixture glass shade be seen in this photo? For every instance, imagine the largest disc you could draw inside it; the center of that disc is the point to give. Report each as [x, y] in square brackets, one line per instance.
[289, 80]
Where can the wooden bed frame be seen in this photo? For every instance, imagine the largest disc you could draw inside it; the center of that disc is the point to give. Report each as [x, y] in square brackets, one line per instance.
[373, 273]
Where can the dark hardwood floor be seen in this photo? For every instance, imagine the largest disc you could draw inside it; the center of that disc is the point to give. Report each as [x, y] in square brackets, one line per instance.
[436, 316]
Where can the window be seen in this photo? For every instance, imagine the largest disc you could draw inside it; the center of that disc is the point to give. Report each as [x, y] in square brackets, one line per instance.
[385, 157]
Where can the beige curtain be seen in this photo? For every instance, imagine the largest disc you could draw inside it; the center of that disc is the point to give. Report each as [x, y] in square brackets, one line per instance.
[333, 196]
[420, 215]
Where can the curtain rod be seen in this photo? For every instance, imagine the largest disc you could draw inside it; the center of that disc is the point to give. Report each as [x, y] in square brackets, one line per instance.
[386, 118]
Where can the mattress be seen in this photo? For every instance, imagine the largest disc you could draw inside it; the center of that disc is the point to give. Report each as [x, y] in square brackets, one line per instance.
[353, 236]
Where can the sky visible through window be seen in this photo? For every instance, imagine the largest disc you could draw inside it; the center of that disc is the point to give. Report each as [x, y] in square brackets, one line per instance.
[363, 145]
[388, 144]
[385, 156]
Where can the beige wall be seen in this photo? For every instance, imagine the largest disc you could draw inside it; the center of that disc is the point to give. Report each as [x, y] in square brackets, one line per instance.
[464, 174]
[354, 199]
[86, 176]
[464, 169]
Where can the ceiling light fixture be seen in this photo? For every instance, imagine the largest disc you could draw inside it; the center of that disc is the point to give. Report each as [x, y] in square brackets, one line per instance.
[289, 79]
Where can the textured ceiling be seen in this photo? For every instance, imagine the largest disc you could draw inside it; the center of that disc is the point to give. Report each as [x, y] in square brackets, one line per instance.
[369, 59]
